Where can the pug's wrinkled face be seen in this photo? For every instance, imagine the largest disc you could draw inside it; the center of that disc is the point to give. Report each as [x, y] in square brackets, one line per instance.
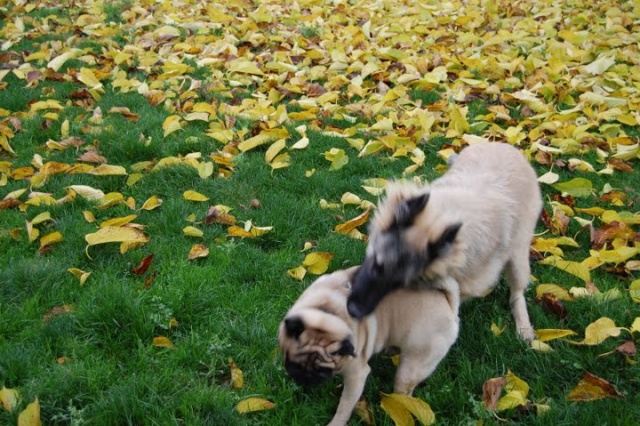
[312, 355]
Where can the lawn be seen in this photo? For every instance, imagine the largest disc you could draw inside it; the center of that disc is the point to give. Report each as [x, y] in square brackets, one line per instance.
[173, 174]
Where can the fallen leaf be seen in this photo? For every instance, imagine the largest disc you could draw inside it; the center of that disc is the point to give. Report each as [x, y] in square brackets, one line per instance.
[81, 275]
[253, 404]
[546, 335]
[491, 390]
[363, 410]
[598, 331]
[337, 157]
[237, 377]
[144, 265]
[197, 251]
[57, 310]
[191, 195]
[346, 227]
[592, 388]
[31, 415]
[317, 262]
[151, 203]
[115, 234]
[297, 273]
[163, 342]
[192, 231]
[9, 398]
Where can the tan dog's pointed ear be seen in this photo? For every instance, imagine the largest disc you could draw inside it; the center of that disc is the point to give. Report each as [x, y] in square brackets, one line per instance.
[407, 211]
[294, 327]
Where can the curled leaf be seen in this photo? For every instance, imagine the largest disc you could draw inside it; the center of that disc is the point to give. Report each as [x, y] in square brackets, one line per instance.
[250, 405]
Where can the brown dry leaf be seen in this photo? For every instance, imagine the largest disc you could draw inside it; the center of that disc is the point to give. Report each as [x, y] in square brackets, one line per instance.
[551, 303]
[57, 310]
[491, 390]
[219, 214]
[143, 266]
[250, 405]
[592, 388]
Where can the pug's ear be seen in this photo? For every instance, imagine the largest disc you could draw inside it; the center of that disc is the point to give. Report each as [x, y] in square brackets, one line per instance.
[294, 327]
[346, 349]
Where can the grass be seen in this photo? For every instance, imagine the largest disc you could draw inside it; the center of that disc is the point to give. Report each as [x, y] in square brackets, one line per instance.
[96, 364]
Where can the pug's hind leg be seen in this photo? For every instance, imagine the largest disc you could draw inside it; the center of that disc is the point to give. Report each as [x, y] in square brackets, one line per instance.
[354, 380]
[415, 367]
[518, 271]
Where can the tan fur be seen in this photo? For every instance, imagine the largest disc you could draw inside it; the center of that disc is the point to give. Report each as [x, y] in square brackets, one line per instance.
[493, 191]
[422, 324]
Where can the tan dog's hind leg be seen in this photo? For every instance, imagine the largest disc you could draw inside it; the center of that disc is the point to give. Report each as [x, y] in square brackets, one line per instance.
[416, 367]
[354, 381]
[518, 271]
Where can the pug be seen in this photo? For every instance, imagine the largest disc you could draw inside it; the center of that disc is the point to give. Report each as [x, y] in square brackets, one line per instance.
[319, 339]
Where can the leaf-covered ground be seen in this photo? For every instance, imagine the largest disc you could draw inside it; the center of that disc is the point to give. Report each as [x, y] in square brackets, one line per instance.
[173, 173]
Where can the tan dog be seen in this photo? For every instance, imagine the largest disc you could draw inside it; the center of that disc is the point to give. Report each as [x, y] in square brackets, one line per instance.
[468, 225]
[319, 339]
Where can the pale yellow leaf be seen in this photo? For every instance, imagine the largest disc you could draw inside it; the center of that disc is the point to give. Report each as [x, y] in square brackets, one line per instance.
[50, 238]
[540, 346]
[416, 407]
[297, 273]
[250, 405]
[87, 192]
[118, 221]
[9, 398]
[81, 275]
[634, 290]
[31, 415]
[556, 290]
[192, 231]
[41, 218]
[171, 124]
[115, 234]
[337, 157]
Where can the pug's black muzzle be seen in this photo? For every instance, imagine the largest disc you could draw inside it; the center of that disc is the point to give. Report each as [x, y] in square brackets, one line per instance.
[305, 377]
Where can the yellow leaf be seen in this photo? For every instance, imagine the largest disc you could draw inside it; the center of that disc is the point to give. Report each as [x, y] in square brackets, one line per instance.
[274, 149]
[497, 330]
[31, 415]
[301, 144]
[9, 398]
[250, 405]
[81, 275]
[297, 273]
[191, 195]
[115, 234]
[547, 334]
[118, 221]
[265, 136]
[163, 342]
[634, 290]
[512, 399]
[108, 170]
[337, 157]
[88, 216]
[32, 232]
[110, 200]
[635, 327]
[348, 226]
[205, 169]
[317, 262]
[59, 60]
[350, 198]
[152, 202]
[374, 186]
[192, 231]
[549, 178]
[51, 238]
[198, 250]
[171, 124]
[87, 192]
[598, 331]
[540, 346]
[559, 292]
[42, 217]
[245, 67]
[418, 408]
[398, 413]
[237, 377]
[281, 161]
[236, 231]
[579, 270]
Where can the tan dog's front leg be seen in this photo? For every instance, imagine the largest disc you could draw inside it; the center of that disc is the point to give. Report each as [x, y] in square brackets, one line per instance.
[354, 381]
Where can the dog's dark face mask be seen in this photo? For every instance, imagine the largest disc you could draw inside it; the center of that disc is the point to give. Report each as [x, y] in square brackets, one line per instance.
[307, 365]
[390, 263]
